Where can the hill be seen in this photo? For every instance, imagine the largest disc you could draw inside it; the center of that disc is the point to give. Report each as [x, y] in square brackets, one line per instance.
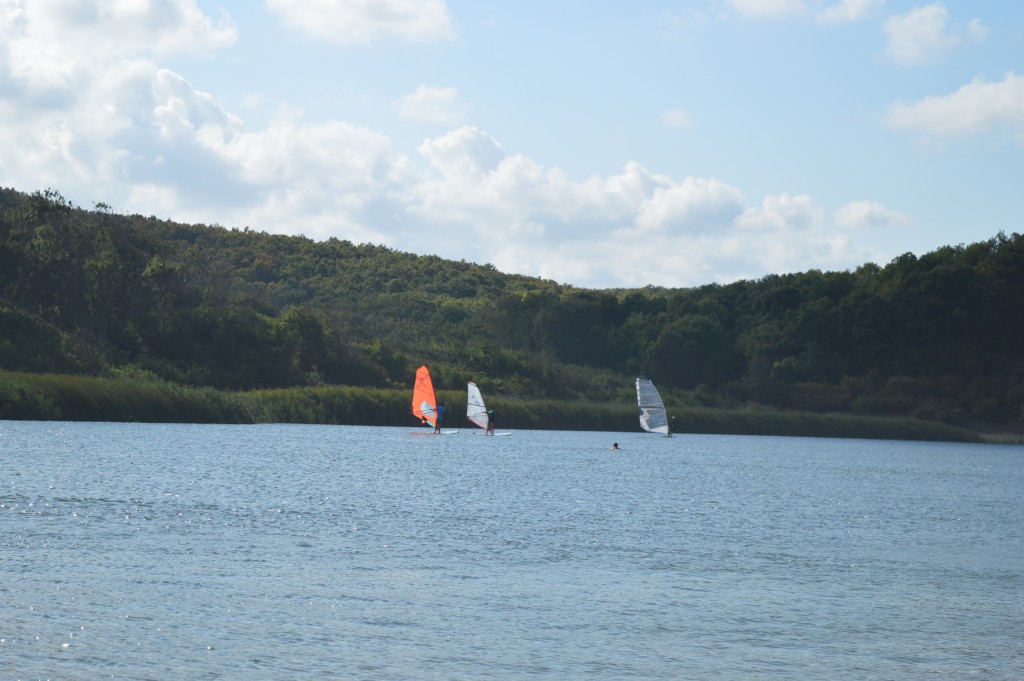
[94, 293]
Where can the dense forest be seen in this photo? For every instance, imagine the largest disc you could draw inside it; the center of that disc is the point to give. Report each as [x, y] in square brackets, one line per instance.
[96, 293]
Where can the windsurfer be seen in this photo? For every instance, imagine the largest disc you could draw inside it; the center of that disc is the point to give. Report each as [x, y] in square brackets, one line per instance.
[439, 417]
[490, 422]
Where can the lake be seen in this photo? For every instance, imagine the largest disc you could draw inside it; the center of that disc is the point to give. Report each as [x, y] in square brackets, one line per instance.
[138, 551]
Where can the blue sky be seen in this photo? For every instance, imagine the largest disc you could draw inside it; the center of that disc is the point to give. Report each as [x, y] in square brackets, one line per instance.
[601, 144]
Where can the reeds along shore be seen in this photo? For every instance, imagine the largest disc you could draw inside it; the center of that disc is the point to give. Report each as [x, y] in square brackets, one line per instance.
[54, 397]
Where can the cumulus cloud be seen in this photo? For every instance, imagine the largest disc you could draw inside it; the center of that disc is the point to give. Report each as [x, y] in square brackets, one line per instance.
[975, 108]
[318, 179]
[479, 182]
[357, 22]
[691, 206]
[466, 152]
[633, 228]
[85, 105]
[861, 214]
[432, 105]
[782, 212]
[921, 35]
[90, 28]
[786, 232]
[113, 125]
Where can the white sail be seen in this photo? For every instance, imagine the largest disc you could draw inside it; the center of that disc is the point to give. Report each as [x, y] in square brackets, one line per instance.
[652, 410]
[476, 411]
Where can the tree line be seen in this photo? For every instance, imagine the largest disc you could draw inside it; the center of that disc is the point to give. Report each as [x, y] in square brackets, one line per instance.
[96, 293]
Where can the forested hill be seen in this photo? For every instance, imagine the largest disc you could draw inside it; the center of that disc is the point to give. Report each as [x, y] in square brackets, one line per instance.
[92, 292]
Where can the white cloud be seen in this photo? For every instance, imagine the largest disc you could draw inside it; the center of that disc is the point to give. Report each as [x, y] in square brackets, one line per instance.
[466, 152]
[359, 22]
[975, 108]
[861, 214]
[432, 105]
[782, 212]
[767, 8]
[85, 29]
[677, 118]
[632, 229]
[786, 232]
[111, 125]
[841, 11]
[86, 109]
[848, 10]
[692, 205]
[318, 179]
[976, 31]
[921, 36]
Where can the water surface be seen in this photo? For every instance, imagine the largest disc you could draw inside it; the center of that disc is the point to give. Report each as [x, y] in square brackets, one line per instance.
[265, 552]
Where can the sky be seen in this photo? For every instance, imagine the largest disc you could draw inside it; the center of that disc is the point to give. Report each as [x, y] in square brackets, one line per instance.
[595, 143]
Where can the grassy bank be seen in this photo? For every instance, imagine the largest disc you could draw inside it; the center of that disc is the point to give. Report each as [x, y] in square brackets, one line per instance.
[58, 397]
[45, 397]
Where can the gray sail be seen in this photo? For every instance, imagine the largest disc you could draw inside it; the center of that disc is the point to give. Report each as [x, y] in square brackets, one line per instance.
[652, 410]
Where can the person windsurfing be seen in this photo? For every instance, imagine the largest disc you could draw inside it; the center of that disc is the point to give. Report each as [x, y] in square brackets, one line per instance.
[439, 417]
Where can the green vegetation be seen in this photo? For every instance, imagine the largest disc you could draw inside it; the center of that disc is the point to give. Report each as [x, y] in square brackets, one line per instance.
[84, 398]
[81, 398]
[123, 317]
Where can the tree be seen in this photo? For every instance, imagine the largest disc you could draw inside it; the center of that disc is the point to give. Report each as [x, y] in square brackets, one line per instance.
[694, 350]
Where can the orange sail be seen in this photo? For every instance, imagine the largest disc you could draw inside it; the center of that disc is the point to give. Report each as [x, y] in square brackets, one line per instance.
[424, 406]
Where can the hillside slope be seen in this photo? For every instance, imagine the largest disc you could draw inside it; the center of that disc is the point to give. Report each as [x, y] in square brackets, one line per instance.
[91, 292]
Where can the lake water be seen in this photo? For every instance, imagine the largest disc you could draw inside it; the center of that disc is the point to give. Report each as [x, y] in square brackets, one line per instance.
[133, 551]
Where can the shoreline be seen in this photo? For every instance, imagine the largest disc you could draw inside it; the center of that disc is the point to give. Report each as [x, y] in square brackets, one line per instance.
[53, 397]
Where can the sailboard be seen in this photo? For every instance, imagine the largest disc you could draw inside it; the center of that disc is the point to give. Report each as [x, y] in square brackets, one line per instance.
[476, 410]
[653, 418]
[424, 404]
